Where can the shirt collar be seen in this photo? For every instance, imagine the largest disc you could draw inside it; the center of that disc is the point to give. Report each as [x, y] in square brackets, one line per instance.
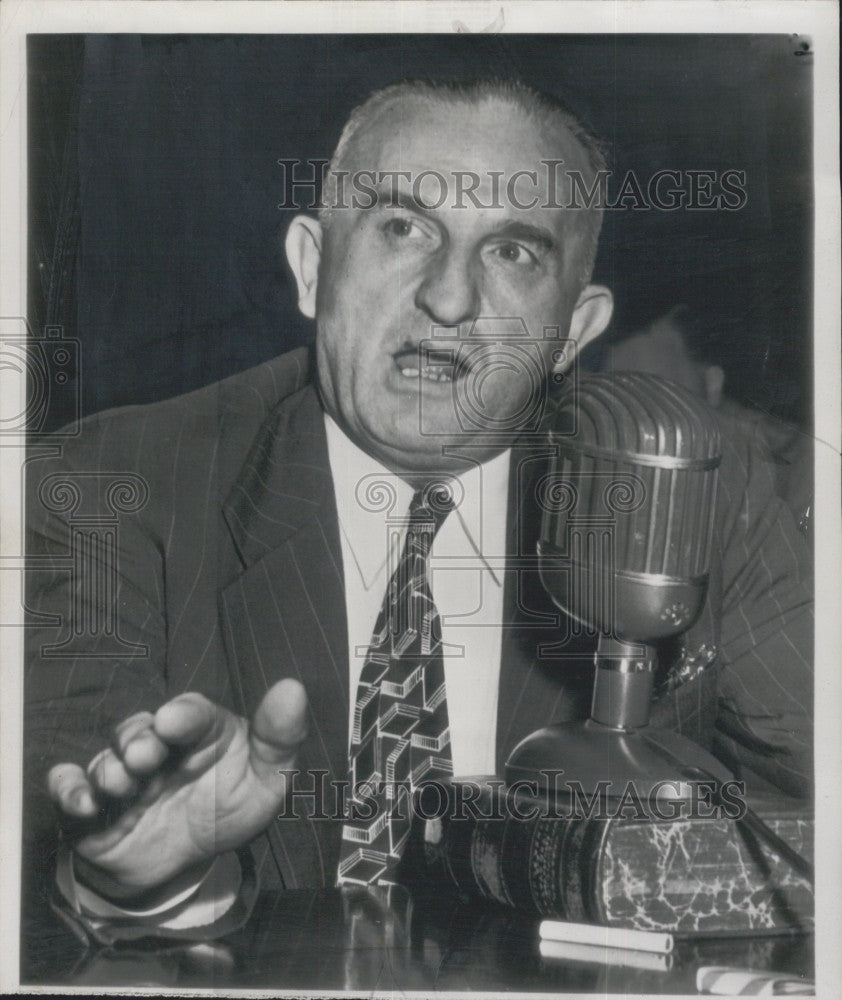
[367, 492]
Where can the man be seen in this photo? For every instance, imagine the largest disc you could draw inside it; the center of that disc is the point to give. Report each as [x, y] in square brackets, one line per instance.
[253, 579]
[680, 343]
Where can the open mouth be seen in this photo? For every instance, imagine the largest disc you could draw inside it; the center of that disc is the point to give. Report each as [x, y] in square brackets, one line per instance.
[443, 365]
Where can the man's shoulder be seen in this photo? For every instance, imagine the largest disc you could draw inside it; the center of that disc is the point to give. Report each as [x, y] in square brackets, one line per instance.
[255, 392]
[225, 413]
[180, 448]
[259, 388]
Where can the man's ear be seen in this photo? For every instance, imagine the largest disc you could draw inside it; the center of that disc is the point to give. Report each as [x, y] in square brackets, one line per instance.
[591, 315]
[303, 247]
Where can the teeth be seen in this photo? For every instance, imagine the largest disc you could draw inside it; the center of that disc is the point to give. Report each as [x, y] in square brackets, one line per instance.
[430, 374]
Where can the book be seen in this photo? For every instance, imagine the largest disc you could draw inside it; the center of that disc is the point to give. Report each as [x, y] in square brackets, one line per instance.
[686, 875]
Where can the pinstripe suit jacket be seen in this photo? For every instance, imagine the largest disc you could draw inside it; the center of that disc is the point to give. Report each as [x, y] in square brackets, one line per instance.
[229, 577]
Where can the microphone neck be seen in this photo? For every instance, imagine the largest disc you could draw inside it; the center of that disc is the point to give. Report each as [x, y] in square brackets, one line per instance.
[623, 685]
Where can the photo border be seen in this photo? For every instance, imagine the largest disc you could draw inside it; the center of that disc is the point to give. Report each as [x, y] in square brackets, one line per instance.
[813, 18]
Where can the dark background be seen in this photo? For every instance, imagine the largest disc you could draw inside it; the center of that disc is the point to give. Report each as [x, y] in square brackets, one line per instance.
[156, 238]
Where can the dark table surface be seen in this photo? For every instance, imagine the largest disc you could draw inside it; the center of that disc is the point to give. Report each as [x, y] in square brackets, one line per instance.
[363, 940]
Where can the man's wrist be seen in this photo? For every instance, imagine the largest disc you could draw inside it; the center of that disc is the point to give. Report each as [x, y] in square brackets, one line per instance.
[91, 876]
[218, 902]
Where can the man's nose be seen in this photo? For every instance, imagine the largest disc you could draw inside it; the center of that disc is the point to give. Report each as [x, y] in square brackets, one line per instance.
[449, 293]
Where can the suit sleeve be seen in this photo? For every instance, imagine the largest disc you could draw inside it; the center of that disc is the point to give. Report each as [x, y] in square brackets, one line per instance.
[765, 717]
[95, 642]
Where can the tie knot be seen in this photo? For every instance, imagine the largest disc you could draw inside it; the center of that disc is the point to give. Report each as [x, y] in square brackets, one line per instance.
[430, 506]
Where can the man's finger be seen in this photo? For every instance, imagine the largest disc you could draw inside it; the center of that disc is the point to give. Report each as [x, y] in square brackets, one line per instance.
[71, 791]
[108, 774]
[188, 719]
[278, 728]
[138, 745]
[126, 729]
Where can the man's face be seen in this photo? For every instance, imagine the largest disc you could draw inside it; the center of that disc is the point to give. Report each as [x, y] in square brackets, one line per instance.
[393, 276]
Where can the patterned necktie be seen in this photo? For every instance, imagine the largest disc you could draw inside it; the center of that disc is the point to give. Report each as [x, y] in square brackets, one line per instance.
[400, 736]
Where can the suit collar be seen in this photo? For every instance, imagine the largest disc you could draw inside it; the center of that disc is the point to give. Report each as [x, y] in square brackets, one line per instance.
[285, 481]
[369, 495]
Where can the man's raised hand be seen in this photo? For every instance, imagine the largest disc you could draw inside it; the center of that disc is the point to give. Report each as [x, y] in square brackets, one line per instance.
[193, 780]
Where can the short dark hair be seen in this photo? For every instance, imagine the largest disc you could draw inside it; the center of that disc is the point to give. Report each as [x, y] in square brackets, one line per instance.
[544, 109]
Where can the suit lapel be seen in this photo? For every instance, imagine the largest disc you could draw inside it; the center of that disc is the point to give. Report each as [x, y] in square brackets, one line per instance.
[284, 616]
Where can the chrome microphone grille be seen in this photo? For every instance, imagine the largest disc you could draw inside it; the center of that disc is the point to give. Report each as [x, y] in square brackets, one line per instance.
[629, 498]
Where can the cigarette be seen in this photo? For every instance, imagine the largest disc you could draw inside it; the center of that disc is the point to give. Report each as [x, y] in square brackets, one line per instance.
[565, 951]
[608, 937]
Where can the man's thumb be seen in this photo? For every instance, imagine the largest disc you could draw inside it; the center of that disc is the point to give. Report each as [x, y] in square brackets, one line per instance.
[278, 728]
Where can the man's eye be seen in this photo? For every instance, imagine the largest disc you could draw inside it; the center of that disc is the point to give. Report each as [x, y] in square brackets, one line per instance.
[515, 253]
[404, 229]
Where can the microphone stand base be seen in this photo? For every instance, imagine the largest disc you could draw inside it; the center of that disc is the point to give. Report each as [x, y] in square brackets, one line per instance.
[601, 759]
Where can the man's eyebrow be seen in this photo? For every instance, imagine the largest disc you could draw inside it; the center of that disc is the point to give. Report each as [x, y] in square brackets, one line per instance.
[510, 229]
[388, 198]
[529, 233]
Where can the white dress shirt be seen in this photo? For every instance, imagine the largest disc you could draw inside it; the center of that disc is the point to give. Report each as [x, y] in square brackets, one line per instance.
[466, 581]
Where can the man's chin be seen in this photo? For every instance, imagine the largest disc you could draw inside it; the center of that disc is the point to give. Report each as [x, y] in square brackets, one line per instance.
[449, 452]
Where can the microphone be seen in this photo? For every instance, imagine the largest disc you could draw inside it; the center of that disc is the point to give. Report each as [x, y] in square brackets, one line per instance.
[626, 549]
[640, 458]
[628, 508]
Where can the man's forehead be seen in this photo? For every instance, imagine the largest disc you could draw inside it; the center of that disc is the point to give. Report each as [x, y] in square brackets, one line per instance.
[491, 135]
